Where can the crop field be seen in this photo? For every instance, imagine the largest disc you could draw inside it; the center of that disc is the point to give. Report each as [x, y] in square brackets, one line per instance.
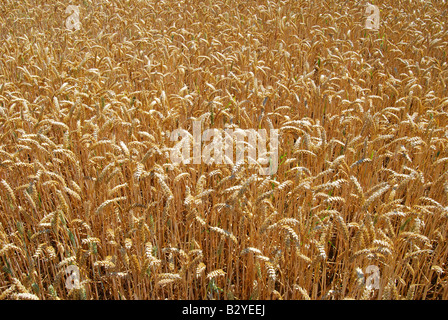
[94, 206]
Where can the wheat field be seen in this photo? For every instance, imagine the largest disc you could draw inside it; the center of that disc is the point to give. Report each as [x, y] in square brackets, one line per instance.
[86, 178]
